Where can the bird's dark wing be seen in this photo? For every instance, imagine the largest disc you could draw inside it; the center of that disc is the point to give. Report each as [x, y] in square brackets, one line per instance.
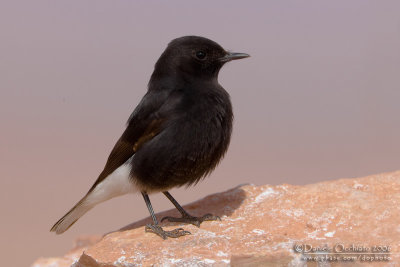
[145, 122]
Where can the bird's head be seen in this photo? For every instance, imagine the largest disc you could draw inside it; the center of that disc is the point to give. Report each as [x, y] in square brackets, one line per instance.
[194, 56]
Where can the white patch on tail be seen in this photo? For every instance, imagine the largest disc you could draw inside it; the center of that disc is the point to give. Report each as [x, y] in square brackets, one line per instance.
[116, 184]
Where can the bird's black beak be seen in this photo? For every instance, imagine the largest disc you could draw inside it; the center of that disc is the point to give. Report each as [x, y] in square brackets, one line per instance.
[233, 56]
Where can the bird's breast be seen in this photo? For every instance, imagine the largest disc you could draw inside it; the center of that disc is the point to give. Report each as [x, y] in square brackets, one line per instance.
[189, 147]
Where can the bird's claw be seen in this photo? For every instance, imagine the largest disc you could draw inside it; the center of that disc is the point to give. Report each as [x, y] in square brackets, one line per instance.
[191, 219]
[156, 229]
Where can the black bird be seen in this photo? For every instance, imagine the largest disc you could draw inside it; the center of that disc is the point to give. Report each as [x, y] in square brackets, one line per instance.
[176, 135]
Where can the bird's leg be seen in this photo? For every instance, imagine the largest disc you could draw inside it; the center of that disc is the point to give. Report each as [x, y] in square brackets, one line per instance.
[186, 217]
[156, 229]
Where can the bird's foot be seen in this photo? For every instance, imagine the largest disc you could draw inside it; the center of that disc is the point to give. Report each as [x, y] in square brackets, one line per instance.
[156, 229]
[191, 219]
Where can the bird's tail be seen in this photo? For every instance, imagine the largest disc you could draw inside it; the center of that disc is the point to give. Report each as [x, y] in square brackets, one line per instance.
[117, 183]
[72, 216]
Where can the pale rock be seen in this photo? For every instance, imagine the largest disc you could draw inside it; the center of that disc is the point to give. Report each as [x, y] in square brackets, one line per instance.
[260, 226]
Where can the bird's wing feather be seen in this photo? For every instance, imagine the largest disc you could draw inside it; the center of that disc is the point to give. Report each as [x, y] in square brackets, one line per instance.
[145, 122]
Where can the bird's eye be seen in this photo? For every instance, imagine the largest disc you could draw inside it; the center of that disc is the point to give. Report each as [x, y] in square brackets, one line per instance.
[201, 55]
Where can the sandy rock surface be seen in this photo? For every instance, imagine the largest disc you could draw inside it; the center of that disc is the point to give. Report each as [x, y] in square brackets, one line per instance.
[346, 222]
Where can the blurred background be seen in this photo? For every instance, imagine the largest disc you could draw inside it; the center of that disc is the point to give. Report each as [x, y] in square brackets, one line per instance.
[318, 100]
